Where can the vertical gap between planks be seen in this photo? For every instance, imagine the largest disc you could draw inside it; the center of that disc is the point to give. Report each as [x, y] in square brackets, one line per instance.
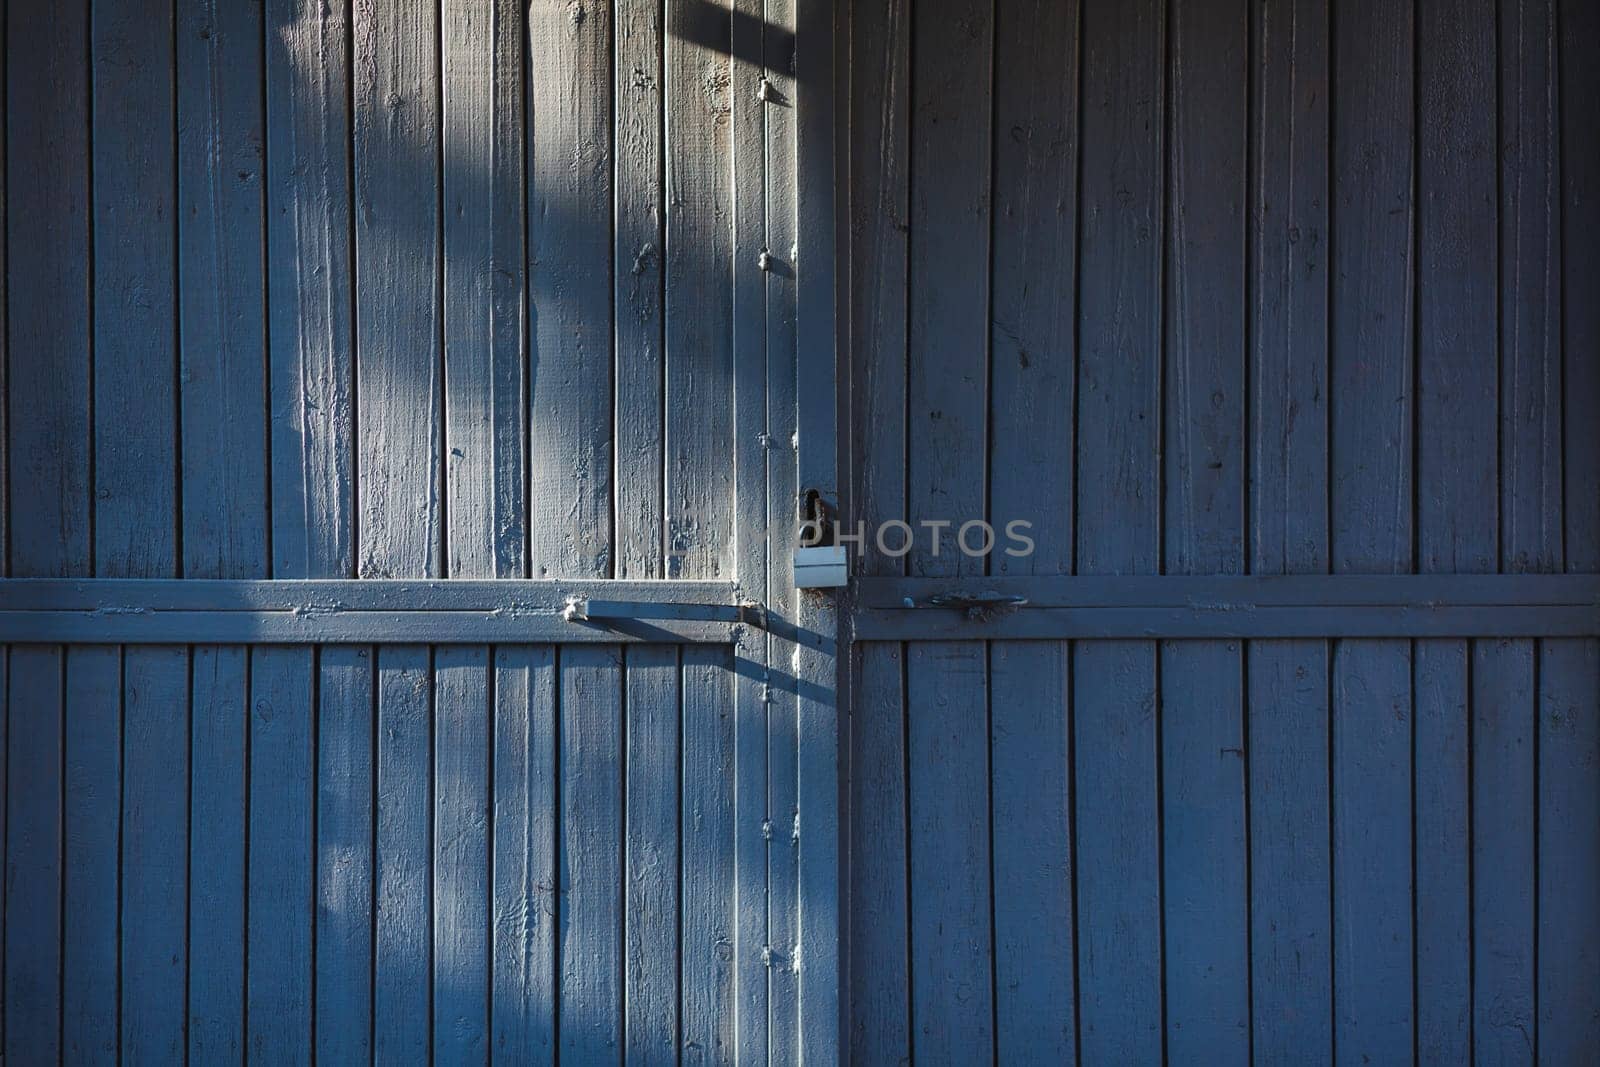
[491, 739]
[354, 568]
[987, 502]
[374, 684]
[1471, 703]
[313, 780]
[905, 770]
[1070, 651]
[266, 563]
[525, 297]
[431, 848]
[244, 890]
[558, 905]
[188, 849]
[1415, 381]
[176, 370]
[441, 546]
[122, 786]
[1165, 138]
[89, 337]
[1537, 691]
[61, 840]
[679, 764]
[624, 666]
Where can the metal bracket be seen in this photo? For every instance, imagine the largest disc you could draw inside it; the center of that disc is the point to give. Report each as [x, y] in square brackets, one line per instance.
[978, 606]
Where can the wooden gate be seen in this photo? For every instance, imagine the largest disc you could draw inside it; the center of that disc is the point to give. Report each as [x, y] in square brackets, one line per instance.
[406, 407]
[1277, 321]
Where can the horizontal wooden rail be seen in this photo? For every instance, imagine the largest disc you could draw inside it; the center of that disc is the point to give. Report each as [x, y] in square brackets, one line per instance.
[201, 611]
[1227, 606]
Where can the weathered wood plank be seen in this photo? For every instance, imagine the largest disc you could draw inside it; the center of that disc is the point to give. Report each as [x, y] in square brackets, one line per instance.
[880, 982]
[222, 289]
[654, 863]
[1035, 1002]
[569, 290]
[1290, 936]
[700, 269]
[1116, 739]
[709, 969]
[460, 913]
[590, 882]
[1569, 672]
[523, 1008]
[154, 855]
[310, 283]
[1371, 422]
[345, 790]
[135, 268]
[484, 263]
[952, 1007]
[1504, 837]
[1290, 889]
[92, 816]
[48, 288]
[403, 882]
[218, 725]
[1456, 398]
[637, 271]
[395, 136]
[1205, 862]
[281, 862]
[34, 853]
[1033, 369]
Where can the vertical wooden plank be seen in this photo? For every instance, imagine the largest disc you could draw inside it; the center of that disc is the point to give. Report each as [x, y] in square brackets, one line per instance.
[49, 446]
[763, 483]
[396, 140]
[222, 315]
[218, 725]
[653, 862]
[309, 283]
[93, 799]
[345, 732]
[34, 846]
[636, 262]
[879, 979]
[770, 166]
[698, 303]
[708, 855]
[591, 878]
[1291, 949]
[135, 268]
[1204, 850]
[1035, 1003]
[47, 136]
[1456, 398]
[1116, 739]
[278, 951]
[462, 703]
[484, 262]
[569, 290]
[1506, 681]
[523, 1008]
[1503, 686]
[1569, 720]
[948, 797]
[1033, 375]
[952, 1008]
[402, 990]
[1288, 759]
[1371, 524]
[155, 853]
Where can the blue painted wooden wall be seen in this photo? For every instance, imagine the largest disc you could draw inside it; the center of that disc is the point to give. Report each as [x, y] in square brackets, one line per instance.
[320, 289]
[1223, 287]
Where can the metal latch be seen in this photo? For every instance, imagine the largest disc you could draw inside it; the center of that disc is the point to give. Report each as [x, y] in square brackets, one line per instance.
[977, 606]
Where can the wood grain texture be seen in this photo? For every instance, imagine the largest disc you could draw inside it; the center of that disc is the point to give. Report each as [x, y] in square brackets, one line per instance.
[310, 285]
[154, 853]
[35, 845]
[708, 967]
[637, 261]
[219, 724]
[569, 290]
[655, 865]
[948, 838]
[221, 277]
[402, 1003]
[396, 137]
[1569, 739]
[525, 857]
[590, 883]
[484, 264]
[700, 266]
[135, 344]
[281, 861]
[344, 833]
[92, 813]
[460, 838]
